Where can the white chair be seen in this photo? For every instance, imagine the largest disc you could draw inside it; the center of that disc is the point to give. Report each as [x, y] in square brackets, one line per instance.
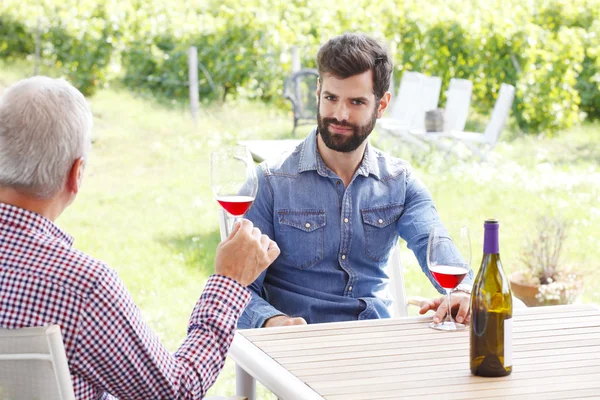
[416, 94]
[458, 100]
[432, 86]
[480, 144]
[406, 105]
[33, 364]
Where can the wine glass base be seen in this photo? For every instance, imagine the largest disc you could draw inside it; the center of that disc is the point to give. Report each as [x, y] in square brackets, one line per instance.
[448, 326]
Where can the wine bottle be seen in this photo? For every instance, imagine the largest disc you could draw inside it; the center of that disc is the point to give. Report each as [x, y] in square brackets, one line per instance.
[491, 311]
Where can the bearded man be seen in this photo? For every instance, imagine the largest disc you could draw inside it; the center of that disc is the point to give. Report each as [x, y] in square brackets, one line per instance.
[336, 205]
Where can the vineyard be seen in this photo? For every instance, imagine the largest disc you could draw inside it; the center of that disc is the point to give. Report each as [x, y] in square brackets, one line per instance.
[550, 50]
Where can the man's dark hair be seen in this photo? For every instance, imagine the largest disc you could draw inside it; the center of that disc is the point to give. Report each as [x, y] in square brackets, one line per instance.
[352, 54]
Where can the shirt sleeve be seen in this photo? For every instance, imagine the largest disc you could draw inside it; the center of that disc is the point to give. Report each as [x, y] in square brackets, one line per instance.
[261, 215]
[121, 356]
[419, 216]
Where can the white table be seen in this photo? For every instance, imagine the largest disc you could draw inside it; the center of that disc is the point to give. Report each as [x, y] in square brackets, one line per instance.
[264, 149]
[556, 355]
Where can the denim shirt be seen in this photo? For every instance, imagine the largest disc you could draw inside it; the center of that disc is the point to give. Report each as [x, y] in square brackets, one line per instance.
[335, 241]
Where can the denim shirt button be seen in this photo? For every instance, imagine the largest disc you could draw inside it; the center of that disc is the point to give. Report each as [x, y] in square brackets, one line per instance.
[350, 288]
[343, 256]
[346, 220]
[307, 225]
[380, 221]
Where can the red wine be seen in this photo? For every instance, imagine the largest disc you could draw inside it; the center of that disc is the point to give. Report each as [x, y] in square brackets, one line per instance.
[235, 205]
[447, 276]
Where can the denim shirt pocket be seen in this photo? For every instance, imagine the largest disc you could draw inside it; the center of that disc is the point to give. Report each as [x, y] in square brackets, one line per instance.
[301, 236]
[380, 229]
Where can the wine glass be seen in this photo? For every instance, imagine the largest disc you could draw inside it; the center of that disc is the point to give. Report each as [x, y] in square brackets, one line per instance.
[449, 260]
[233, 181]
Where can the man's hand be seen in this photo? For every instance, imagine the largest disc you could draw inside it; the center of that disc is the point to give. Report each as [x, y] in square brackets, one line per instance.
[459, 299]
[245, 253]
[284, 320]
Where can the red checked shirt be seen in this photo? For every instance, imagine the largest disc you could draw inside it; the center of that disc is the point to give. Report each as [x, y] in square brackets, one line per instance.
[111, 351]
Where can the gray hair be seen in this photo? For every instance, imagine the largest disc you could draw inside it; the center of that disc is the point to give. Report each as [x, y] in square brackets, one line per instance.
[45, 125]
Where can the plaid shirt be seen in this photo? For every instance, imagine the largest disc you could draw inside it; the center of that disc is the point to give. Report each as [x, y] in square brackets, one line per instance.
[111, 351]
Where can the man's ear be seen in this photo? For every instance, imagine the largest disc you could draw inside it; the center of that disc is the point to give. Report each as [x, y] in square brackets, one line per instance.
[75, 177]
[384, 102]
[318, 92]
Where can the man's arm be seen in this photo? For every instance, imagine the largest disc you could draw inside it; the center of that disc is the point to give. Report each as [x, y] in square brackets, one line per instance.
[419, 216]
[119, 354]
[414, 224]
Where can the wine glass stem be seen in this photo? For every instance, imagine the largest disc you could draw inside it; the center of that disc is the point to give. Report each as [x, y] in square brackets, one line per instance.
[235, 220]
[231, 220]
[449, 314]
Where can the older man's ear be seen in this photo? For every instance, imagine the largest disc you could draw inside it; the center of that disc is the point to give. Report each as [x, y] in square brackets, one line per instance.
[75, 177]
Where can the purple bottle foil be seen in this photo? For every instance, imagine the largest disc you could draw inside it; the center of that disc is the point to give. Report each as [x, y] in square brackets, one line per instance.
[490, 237]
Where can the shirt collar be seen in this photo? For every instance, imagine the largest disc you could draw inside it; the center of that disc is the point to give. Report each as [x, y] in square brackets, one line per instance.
[310, 159]
[28, 220]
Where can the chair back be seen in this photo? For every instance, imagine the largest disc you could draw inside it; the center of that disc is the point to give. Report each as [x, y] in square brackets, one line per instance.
[499, 114]
[300, 89]
[407, 108]
[458, 100]
[432, 86]
[33, 364]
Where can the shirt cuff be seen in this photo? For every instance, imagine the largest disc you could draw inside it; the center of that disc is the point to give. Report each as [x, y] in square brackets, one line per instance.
[228, 291]
[260, 320]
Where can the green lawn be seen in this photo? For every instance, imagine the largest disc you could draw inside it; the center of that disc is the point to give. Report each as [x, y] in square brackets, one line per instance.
[146, 206]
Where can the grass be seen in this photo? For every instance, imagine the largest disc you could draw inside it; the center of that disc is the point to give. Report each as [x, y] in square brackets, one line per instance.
[146, 206]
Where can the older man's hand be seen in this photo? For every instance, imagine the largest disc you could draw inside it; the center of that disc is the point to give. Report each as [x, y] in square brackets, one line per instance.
[245, 253]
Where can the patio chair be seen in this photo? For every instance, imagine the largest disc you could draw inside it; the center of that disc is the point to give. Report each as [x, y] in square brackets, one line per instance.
[432, 86]
[300, 89]
[480, 144]
[458, 100]
[33, 364]
[416, 95]
[404, 106]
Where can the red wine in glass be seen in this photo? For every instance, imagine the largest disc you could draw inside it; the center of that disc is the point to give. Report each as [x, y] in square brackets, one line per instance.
[448, 276]
[235, 205]
[449, 260]
[234, 183]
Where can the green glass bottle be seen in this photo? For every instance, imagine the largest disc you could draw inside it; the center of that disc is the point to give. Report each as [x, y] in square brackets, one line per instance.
[491, 311]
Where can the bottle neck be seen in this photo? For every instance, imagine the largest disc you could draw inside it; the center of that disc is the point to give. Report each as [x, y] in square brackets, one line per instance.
[491, 243]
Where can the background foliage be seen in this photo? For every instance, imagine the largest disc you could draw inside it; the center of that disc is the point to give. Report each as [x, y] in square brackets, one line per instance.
[550, 50]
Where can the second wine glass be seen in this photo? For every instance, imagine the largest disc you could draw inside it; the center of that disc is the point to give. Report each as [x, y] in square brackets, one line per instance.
[233, 180]
[449, 261]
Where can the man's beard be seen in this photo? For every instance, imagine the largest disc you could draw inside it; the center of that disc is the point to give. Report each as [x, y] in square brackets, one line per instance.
[344, 143]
